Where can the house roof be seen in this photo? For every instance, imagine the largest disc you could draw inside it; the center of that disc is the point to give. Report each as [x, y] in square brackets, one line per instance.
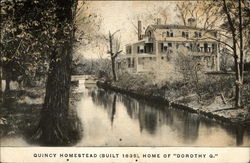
[175, 26]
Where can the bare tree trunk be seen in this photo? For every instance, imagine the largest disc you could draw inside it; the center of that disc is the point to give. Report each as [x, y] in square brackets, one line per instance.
[241, 43]
[113, 54]
[238, 83]
[197, 84]
[241, 65]
[237, 75]
[1, 78]
[113, 68]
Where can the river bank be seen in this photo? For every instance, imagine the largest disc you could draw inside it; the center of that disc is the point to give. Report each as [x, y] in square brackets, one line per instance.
[224, 114]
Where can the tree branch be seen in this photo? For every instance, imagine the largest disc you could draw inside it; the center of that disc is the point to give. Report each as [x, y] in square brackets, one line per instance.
[116, 54]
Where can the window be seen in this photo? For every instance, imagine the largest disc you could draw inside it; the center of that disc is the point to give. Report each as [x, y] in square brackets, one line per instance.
[148, 48]
[128, 50]
[199, 34]
[209, 48]
[205, 47]
[201, 45]
[201, 49]
[133, 63]
[169, 44]
[195, 34]
[213, 47]
[183, 34]
[171, 34]
[140, 49]
[168, 34]
[164, 47]
[129, 62]
[198, 47]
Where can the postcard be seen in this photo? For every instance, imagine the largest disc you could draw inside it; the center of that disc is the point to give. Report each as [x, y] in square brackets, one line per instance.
[125, 81]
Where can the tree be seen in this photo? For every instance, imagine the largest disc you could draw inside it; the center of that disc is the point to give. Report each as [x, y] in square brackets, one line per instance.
[204, 13]
[190, 68]
[235, 25]
[20, 51]
[53, 128]
[114, 51]
[234, 30]
[151, 16]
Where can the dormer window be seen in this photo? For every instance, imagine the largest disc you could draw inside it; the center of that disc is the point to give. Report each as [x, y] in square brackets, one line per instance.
[150, 33]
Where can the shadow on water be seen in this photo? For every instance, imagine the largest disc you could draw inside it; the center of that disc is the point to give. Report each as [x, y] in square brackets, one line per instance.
[149, 115]
[152, 117]
[113, 109]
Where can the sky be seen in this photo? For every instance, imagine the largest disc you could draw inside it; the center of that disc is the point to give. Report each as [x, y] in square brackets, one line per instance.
[120, 15]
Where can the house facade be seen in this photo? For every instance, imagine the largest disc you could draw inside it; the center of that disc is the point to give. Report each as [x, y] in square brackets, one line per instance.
[160, 41]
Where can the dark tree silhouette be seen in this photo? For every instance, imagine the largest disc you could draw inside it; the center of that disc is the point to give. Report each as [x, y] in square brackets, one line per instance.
[54, 127]
[114, 51]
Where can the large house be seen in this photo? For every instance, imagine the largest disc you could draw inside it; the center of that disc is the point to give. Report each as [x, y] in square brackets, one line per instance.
[160, 40]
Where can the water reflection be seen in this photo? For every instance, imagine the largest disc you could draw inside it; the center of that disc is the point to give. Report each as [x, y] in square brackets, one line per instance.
[152, 124]
[239, 135]
[105, 118]
[113, 109]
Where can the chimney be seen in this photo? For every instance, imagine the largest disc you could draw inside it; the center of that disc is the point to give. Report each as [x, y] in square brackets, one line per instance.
[192, 22]
[139, 30]
[158, 21]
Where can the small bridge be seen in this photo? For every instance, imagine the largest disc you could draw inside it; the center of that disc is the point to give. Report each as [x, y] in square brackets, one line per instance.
[82, 77]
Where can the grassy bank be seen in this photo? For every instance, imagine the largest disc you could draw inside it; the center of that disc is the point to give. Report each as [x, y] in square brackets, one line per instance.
[212, 95]
[20, 114]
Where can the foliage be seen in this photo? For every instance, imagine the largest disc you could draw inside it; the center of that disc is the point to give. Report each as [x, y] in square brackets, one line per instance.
[101, 68]
[166, 72]
[28, 37]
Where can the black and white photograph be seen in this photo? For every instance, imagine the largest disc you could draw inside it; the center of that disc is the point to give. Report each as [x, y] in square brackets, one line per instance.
[122, 75]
